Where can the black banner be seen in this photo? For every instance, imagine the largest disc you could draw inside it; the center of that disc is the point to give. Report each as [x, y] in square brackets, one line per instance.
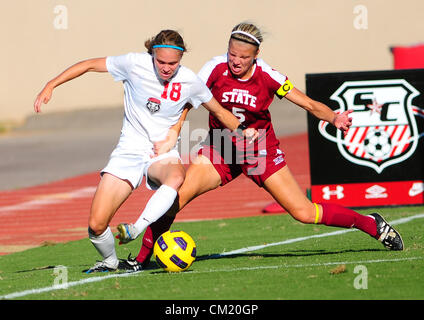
[381, 159]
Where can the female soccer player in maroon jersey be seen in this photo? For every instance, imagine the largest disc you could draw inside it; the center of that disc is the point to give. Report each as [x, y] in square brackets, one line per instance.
[246, 85]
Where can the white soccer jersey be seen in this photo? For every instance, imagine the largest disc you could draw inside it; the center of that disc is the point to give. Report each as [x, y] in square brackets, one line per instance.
[152, 106]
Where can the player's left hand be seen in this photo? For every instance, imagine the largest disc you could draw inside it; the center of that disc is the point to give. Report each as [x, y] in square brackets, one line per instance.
[343, 121]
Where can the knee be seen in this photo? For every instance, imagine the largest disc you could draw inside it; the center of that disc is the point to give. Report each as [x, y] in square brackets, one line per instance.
[303, 214]
[176, 180]
[97, 226]
[179, 179]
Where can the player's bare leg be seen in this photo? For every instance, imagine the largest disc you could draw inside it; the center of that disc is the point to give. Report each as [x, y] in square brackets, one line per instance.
[201, 177]
[285, 190]
[167, 173]
[110, 194]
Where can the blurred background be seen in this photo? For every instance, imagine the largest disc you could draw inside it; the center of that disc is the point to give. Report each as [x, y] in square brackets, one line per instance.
[41, 38]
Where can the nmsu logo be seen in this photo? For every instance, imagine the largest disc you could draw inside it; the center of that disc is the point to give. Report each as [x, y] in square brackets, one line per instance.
[384, 129]
[153, 105]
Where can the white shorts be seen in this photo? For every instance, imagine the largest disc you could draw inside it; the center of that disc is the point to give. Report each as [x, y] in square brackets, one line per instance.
[134, 166]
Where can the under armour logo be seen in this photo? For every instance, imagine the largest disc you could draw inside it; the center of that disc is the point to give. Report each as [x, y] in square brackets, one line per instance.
[327, 193]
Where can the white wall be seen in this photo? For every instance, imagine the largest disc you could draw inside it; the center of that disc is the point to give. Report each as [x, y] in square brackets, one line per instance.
[302, 36]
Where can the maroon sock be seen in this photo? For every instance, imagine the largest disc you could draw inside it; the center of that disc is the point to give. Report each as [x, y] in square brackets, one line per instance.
[150, 236]
[338, 216]
[146, 249]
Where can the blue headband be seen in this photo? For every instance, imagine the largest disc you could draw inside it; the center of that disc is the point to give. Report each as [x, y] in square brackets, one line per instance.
[167, 46]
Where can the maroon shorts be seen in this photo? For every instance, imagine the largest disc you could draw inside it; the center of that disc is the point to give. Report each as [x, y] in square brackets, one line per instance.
[257, 167]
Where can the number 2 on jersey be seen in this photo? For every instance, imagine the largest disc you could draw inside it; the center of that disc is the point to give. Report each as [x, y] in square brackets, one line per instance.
[175, 92]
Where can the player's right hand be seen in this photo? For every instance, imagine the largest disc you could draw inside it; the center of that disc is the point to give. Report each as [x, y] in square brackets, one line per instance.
[343, 121]
[161, 147]
[43, 97]
[251, 134]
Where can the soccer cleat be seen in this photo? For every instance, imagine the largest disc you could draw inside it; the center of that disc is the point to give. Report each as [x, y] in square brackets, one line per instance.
[127, 232]
[100, 266]
[130, 265]
[386, 234]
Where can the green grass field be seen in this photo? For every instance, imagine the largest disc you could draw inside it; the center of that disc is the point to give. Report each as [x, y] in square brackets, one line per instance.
[294, 263]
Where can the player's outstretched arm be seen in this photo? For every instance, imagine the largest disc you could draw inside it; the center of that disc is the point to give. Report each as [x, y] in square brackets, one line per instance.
[78, 69]
[341, 121]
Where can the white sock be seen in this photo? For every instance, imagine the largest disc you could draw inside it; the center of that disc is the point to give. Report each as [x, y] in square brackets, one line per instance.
[156, 207]
[105, 245]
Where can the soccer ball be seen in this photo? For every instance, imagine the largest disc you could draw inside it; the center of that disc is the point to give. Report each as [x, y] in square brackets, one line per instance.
[377, 143]
[175, 251]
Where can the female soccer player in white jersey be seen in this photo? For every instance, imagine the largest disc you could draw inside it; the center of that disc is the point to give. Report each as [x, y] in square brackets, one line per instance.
[157, 91]
[246, 85]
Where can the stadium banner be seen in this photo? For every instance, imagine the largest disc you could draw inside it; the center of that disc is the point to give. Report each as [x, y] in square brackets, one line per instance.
[380, 161]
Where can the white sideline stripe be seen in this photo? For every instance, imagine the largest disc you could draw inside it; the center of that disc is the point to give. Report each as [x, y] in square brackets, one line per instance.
[323, 264]
[253, 248]
[66, 285]
[124, 275]
[322, 235]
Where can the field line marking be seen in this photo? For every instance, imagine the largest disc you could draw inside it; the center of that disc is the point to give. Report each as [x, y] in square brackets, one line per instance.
[322, 235]
[66, 285]
[123, 275]
[308, 265]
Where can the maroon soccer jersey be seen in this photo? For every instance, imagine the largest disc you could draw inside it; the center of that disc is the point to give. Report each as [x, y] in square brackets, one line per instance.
[248, 100]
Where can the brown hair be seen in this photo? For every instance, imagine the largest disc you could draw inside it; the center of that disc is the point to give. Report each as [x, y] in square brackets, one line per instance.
[250, 29]
[165, 37]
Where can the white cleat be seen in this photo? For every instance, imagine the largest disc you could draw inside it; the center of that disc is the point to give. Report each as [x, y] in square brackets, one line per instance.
[127, 233]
